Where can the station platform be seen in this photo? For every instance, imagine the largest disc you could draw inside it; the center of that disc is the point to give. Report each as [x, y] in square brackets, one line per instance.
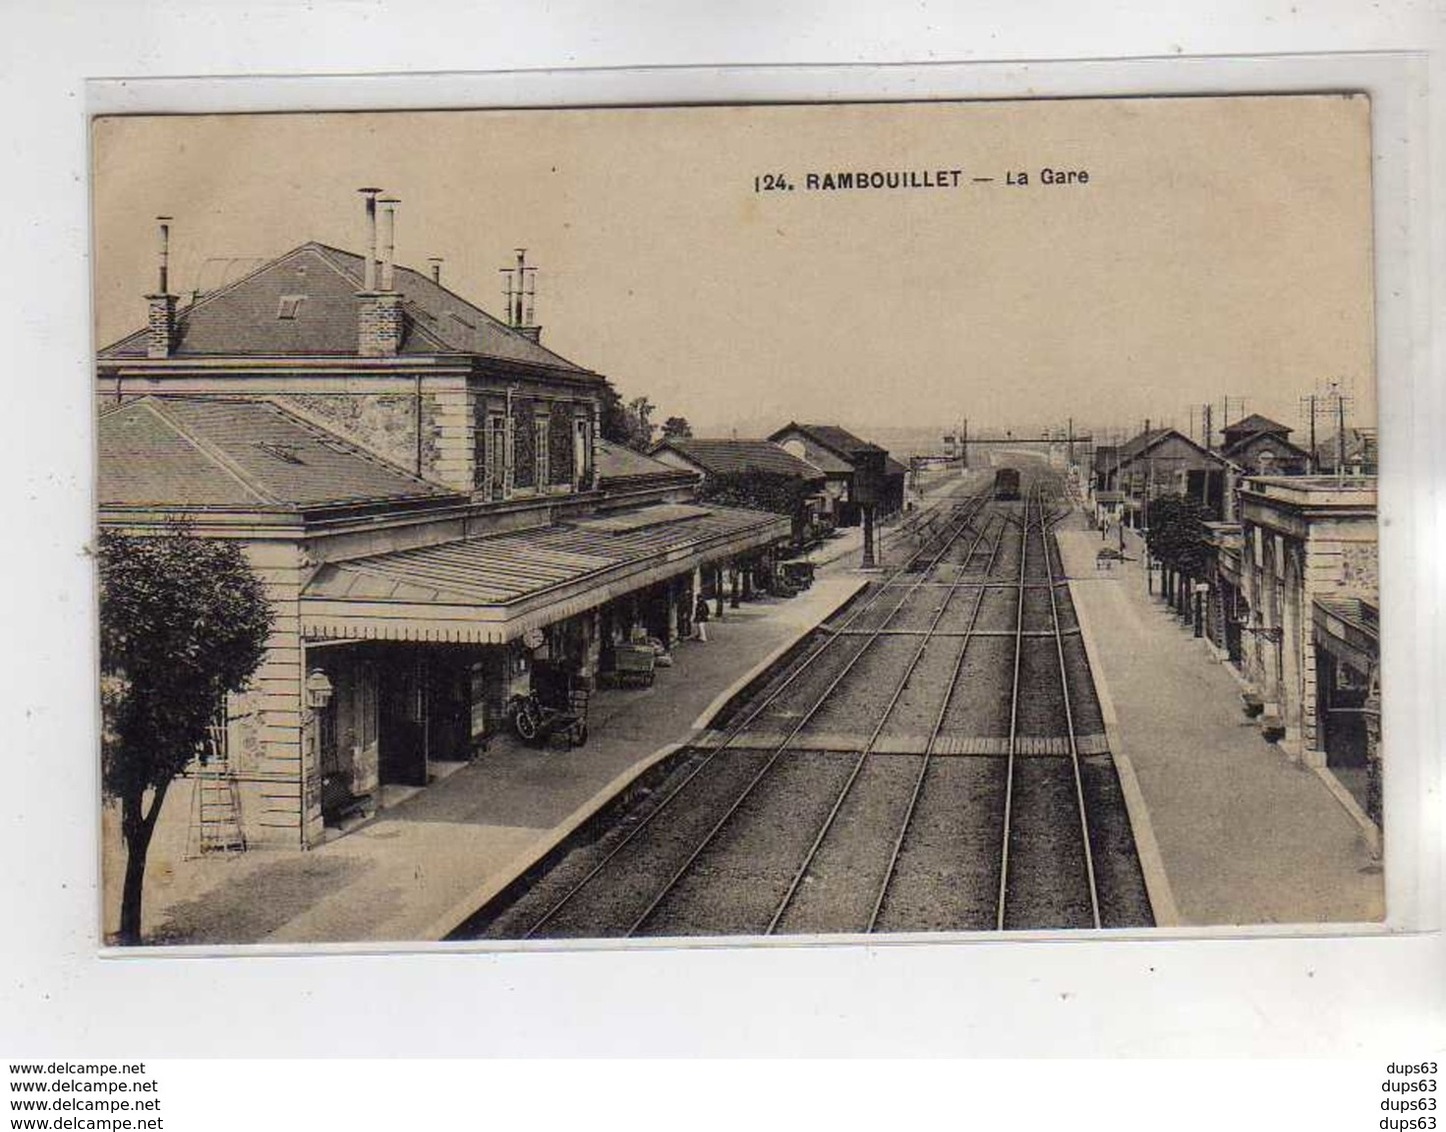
[422, 866]
[1235, 830]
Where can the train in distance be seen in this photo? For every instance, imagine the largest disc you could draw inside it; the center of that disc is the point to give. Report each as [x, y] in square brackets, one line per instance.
[1006, 483]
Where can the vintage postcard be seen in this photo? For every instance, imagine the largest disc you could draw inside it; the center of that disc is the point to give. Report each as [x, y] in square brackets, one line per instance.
[748, 521]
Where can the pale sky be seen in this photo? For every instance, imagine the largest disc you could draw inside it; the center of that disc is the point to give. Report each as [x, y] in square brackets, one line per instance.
[1221, 247]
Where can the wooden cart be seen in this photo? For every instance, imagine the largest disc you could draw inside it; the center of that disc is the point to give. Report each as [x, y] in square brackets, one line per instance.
[635, 665]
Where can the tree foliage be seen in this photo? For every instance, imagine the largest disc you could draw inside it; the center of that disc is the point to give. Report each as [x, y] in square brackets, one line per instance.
[677, 428]
[761, 490]
[183, 621]
[613, 416]
[1177, 533]
[640, 412]
[627, 423]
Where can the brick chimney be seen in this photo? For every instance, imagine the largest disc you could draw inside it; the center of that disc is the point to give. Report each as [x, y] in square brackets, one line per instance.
[161, 318]
[379, 324]
[379, 310]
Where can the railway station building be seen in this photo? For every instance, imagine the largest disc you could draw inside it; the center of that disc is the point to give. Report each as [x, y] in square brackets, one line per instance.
[838, 453]
[422, 490]
[1306, 617]
[1260, 446]
[1161, 461]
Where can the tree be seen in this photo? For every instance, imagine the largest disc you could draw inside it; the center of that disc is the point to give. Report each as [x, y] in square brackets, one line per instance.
[760, 490]
[640, 409]
[677, 428]
[183, 621]
[1177, 538]
[614, 422]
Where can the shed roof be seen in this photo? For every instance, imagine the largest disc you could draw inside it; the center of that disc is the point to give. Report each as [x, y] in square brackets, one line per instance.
[495, 588]
[725, 457]
[226, 453]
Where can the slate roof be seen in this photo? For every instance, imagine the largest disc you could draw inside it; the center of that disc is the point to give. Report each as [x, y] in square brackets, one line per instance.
[725, 457]
[837, 440]
[1137, 446]
[195, 453]
[1244, 445]
[243, 318]
[1256, 423]
[618, 462]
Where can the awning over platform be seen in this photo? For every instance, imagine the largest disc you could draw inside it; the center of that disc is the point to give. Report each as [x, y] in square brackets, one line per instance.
[492, 590]
[1349, 628]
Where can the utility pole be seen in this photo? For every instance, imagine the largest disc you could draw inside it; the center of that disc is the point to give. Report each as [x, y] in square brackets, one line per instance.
[1310, 402]
[1340, 400]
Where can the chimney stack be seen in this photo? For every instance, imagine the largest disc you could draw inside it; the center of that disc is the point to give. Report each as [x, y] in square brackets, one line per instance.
[436, 262]
[389, 230]
[161, 317]
[369, 275]
[521, 291]
[379, 313]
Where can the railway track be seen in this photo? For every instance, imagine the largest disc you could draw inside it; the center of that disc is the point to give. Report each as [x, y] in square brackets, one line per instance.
[1047, 892]
[755, 773]
[921, 767]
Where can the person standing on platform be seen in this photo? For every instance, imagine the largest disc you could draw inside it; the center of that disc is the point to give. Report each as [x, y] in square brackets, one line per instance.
[700, 620]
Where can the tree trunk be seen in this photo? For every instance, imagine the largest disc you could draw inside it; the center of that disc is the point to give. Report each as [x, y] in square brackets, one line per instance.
[137, 825]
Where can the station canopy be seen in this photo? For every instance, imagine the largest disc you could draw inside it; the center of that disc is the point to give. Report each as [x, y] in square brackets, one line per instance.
[491, 590]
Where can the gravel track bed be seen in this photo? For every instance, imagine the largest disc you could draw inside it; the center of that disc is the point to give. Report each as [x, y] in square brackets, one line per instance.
[980, 704]
[1048, 884]
[1068, 619]
[511, 917]
[920, 608]
[795, 701]
[741, 876]
[1006, 562]
[960, 609]
[947, 877]
[837, 893]
[970, 550]
[1041, 699]
[1034, 567]
[925, 690]
[1037, 615]
[859, 702]
[998, 611]
[613, 900]
[877, 612]
[1124, 900]
[1083, 701]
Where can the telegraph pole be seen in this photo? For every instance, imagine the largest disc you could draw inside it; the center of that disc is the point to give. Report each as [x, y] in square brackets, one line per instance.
[1310, 402]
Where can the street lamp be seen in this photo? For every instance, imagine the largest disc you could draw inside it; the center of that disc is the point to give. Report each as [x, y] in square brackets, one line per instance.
[318, 690]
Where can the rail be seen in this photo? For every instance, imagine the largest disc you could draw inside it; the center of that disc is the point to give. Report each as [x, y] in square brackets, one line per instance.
[878, 730]
[969, 508]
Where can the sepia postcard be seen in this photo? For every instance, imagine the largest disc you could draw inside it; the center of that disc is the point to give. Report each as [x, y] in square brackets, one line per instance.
[752, 521]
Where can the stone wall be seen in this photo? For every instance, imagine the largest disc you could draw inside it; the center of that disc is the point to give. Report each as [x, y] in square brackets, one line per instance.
[386, 425]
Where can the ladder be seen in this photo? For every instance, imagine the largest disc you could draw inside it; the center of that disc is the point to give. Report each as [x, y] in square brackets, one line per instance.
[215, 801]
